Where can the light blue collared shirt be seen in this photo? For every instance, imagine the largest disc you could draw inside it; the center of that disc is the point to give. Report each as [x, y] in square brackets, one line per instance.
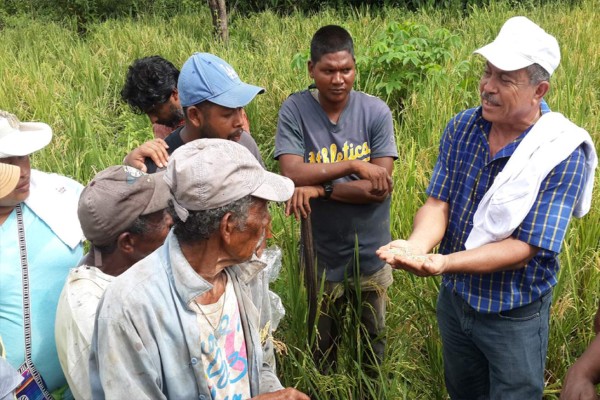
[146, 342]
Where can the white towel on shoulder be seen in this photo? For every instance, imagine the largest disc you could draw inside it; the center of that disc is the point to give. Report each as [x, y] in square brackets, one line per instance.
[54, 199]
[510, 198]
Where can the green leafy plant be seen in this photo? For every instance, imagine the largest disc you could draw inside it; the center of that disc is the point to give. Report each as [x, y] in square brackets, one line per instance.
[403, 55]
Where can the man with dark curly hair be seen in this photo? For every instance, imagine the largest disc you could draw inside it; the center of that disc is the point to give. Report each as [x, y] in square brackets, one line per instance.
[151, 88]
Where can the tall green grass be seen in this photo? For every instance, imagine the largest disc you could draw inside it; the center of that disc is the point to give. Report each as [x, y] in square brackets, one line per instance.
[50, 73]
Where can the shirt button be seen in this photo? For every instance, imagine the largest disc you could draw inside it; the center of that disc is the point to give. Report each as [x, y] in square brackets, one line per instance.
[194, 361]
[201, 397]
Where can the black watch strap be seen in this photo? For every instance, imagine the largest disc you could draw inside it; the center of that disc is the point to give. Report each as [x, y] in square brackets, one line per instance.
[328, 187]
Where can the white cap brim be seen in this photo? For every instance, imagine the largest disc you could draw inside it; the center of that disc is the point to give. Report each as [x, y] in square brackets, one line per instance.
[503, 57]
[29, 138]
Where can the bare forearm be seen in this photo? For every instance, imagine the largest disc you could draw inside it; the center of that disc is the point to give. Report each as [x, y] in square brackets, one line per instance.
[429, 225]
[506, 254]
[589, 362]
[305, 174]
[356, 192]
[584, 375]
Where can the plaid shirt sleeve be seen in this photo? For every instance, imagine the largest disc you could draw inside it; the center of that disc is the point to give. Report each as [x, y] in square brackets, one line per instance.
[439, 185]
[546, 224]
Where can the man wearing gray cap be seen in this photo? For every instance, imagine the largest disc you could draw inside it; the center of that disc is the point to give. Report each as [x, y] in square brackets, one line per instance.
[509, 176]
[184, 323]
[123, 214]
[212, 96]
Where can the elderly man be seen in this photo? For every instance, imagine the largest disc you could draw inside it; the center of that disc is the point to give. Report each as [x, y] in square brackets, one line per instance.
[183, 323]
[40, 240]
[509, 176]
[123, 214]
[211, 94]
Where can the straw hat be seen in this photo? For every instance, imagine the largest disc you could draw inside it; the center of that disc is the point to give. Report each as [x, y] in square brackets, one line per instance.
[9, 178]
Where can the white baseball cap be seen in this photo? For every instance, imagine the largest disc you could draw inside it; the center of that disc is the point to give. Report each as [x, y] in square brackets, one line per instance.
[521, 43]
[21, 138]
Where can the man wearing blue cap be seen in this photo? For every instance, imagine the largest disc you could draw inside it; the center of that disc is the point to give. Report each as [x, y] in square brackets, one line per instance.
[212, 96]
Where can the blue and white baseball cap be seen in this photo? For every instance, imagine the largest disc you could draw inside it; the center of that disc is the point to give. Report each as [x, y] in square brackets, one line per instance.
[205, 76]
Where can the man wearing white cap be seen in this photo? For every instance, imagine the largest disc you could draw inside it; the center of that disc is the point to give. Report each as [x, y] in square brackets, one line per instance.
[184, 322]
[212, 96]
[509, 176]
[40, 240]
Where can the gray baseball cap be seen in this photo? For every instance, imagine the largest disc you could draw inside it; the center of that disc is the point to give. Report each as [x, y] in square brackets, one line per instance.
[115, 198]
[210, 173]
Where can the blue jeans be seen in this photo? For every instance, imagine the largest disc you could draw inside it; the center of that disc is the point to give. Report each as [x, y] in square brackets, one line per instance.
[493, 356]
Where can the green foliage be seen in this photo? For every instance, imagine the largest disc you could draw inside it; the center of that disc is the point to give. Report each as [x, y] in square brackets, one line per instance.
[86, 12]
[306, 6]
[400, 58]
[403, 55]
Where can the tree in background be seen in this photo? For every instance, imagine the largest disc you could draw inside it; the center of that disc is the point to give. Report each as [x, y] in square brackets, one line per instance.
[218, 11]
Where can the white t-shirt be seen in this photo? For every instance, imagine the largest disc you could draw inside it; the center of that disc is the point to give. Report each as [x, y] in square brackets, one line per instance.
[75, 318]
[223, 347]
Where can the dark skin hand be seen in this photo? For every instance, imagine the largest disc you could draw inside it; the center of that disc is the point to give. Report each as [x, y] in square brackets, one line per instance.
[581, 379]
[155, 149]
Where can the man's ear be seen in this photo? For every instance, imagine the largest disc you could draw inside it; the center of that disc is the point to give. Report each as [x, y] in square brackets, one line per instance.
[541, 90]
[126, 243]
[194, 116]
[227, 227]
[310, 69]
[175, 95]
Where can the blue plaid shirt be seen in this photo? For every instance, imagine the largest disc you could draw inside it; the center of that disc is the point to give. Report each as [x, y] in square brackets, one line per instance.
[462, 175]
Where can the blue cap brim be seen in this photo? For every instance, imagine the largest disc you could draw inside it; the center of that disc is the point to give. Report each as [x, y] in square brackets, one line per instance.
[238, 96]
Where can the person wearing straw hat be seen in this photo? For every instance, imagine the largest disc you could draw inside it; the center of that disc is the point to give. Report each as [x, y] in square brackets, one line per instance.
[212, 97]
[123, 214]
[509, 176]
[40, 240]
[184, 322]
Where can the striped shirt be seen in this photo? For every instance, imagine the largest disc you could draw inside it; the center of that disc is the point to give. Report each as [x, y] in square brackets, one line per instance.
[463, 173]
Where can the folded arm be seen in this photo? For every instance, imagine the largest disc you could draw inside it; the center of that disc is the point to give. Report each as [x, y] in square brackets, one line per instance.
[374, 185]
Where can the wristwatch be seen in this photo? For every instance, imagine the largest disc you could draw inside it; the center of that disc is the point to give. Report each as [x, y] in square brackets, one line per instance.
[328, 187]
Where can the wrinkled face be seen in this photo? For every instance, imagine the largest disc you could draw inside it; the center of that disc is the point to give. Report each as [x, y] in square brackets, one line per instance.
[251, 239]
[334, 76]
[507, 97]
[169, 114]
[21, 192]
[220, 122]
[159, 224]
